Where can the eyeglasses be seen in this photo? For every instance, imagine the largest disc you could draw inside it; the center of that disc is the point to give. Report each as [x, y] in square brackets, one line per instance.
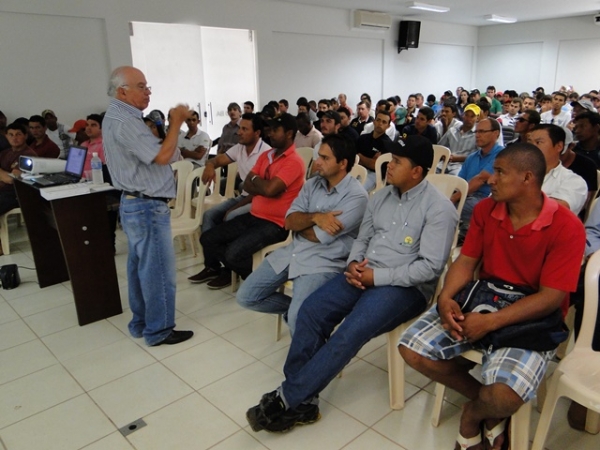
[483, 131]
[141, 87]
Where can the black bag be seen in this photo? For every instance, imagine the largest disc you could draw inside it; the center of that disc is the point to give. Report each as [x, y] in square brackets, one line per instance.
[486, 296]
[9, 276]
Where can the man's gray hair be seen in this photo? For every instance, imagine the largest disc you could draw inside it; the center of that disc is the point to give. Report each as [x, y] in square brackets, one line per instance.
[116, 81]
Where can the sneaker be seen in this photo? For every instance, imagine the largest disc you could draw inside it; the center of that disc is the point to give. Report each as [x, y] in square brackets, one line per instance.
[220, 282]
[205, 275]
[271, 406]
[304, 414]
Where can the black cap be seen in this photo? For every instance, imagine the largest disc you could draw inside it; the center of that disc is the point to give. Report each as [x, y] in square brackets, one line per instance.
[475, 91]
[416, 148]
[331, 114]
[285, 120]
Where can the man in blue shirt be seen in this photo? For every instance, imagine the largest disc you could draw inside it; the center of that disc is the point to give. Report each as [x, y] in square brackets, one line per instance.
[477, 169]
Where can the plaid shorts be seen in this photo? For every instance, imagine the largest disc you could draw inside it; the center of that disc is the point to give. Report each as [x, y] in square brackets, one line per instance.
[520, 369]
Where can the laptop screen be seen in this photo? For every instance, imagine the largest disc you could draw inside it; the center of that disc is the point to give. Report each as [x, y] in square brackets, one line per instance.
[76, 161]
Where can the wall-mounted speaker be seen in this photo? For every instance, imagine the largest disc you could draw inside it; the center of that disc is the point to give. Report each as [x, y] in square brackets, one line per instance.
[409, 35]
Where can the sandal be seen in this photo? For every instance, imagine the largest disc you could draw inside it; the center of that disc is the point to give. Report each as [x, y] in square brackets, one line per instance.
[465, 443]
[499, 429]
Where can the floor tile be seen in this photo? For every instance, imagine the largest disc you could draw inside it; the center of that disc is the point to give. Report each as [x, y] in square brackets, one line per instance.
[53, 320]
[379, 358]
[371, 439]
[14, 333]
[24, 359]
[276, 360]
[114, 441]
[411, 427]
[146, 390]
[106, 364]
[198, 297]
[372, 345]
[240, 440]
[333, 431]
[34, 393]
[258, 337]
[189, 423]
[234, 394]
[78, 340]
[207, 362]
[362, 392]
[29, 299]
[68, 426]
[225, 316]
[7, 313]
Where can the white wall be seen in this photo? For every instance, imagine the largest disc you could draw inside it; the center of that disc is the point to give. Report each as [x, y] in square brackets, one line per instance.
[559, 52]
[74, 58]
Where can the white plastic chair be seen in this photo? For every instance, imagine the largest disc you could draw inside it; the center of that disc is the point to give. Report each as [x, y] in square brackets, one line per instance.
[188, 223]
[440, 153]
[182, 168]
[4, 229]
[447, 184]
[359, 172]
[576, 376]
[380, 179]
[306, 153]
[215, 198]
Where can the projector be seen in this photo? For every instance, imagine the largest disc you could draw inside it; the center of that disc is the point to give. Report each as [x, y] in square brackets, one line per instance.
[35, 165]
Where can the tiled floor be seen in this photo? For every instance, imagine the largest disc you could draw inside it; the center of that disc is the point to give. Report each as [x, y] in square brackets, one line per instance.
[68, 387]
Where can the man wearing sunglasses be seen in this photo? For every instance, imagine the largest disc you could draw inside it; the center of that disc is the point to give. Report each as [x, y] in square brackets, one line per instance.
[526, 122]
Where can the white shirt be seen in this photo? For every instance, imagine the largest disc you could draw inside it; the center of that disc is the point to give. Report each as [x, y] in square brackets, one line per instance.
[201, 138]
[562, 120]
[507, 120]
[245, 161]
[563, 184]
[391, 130]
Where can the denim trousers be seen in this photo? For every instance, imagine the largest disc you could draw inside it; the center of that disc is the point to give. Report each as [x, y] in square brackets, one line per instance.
[467, 211]
[214, 216]
[150, 268]
[316, 355]
[234, 242]
[259, 291]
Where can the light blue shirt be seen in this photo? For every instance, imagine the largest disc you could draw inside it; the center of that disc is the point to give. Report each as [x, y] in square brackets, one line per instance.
[406, 238]
[478, 162]
[130, 149]
[329, 255]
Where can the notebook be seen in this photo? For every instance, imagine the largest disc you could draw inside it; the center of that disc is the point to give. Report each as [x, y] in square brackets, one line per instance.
[72, 173]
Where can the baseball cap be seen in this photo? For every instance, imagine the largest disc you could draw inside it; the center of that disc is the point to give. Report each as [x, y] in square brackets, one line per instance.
[78, 125]
[475, 91]
[332, 115]
[285, 120]
[586, 104]
[473, 108]
[416, 148]
[47, 111]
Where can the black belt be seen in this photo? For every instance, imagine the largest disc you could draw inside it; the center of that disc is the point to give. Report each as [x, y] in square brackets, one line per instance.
[140, 195]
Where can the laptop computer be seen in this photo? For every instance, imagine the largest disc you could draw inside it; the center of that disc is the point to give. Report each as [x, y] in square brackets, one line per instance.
[72, 173]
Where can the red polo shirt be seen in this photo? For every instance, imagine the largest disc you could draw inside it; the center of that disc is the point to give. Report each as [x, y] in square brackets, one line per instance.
[547, 252]
[289, 168]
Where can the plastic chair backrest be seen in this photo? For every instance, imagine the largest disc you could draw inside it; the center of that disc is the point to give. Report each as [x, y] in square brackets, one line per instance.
[447, 184]
[196, 174]
[306, 153]
[380, 180]
[183, 169]
[440, 152]
[588, 324]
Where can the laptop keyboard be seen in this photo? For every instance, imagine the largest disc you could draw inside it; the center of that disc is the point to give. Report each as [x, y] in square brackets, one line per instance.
[55, 178]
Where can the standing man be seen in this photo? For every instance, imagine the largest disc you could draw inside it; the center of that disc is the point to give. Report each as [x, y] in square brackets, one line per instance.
[194, 144]
[392, 271]
[324, 218]
[139, 166]
[42, 144]
[229, 136]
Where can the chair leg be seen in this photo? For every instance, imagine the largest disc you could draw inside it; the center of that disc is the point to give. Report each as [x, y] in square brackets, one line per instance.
[542, 392]
[395, 369]
[592, 422]
[436, 413]
[234, 282]
[278, 320]
[548, 411]
[4, 234]
[519, 427]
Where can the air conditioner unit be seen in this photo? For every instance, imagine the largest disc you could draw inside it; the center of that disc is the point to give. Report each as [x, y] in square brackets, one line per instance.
[372, 20]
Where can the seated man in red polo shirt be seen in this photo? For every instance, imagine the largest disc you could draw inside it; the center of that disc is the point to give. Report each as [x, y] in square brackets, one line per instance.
[522, 237]
[274, 183]
[42, 144]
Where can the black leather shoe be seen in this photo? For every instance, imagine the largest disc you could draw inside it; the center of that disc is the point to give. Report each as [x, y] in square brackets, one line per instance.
[175, 338]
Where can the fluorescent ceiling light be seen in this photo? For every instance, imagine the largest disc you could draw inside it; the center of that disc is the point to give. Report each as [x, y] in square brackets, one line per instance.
[427, 7]
[500, 19]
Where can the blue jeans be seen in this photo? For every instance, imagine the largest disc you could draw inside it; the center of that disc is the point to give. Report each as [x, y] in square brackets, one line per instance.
[316, 356]
[214, 216]
[234, 242]
[150, 268]
[467, 211]
[259, 291]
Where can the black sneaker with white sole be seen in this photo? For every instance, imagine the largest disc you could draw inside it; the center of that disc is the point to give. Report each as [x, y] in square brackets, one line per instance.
[271, 415]
[204, 275]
